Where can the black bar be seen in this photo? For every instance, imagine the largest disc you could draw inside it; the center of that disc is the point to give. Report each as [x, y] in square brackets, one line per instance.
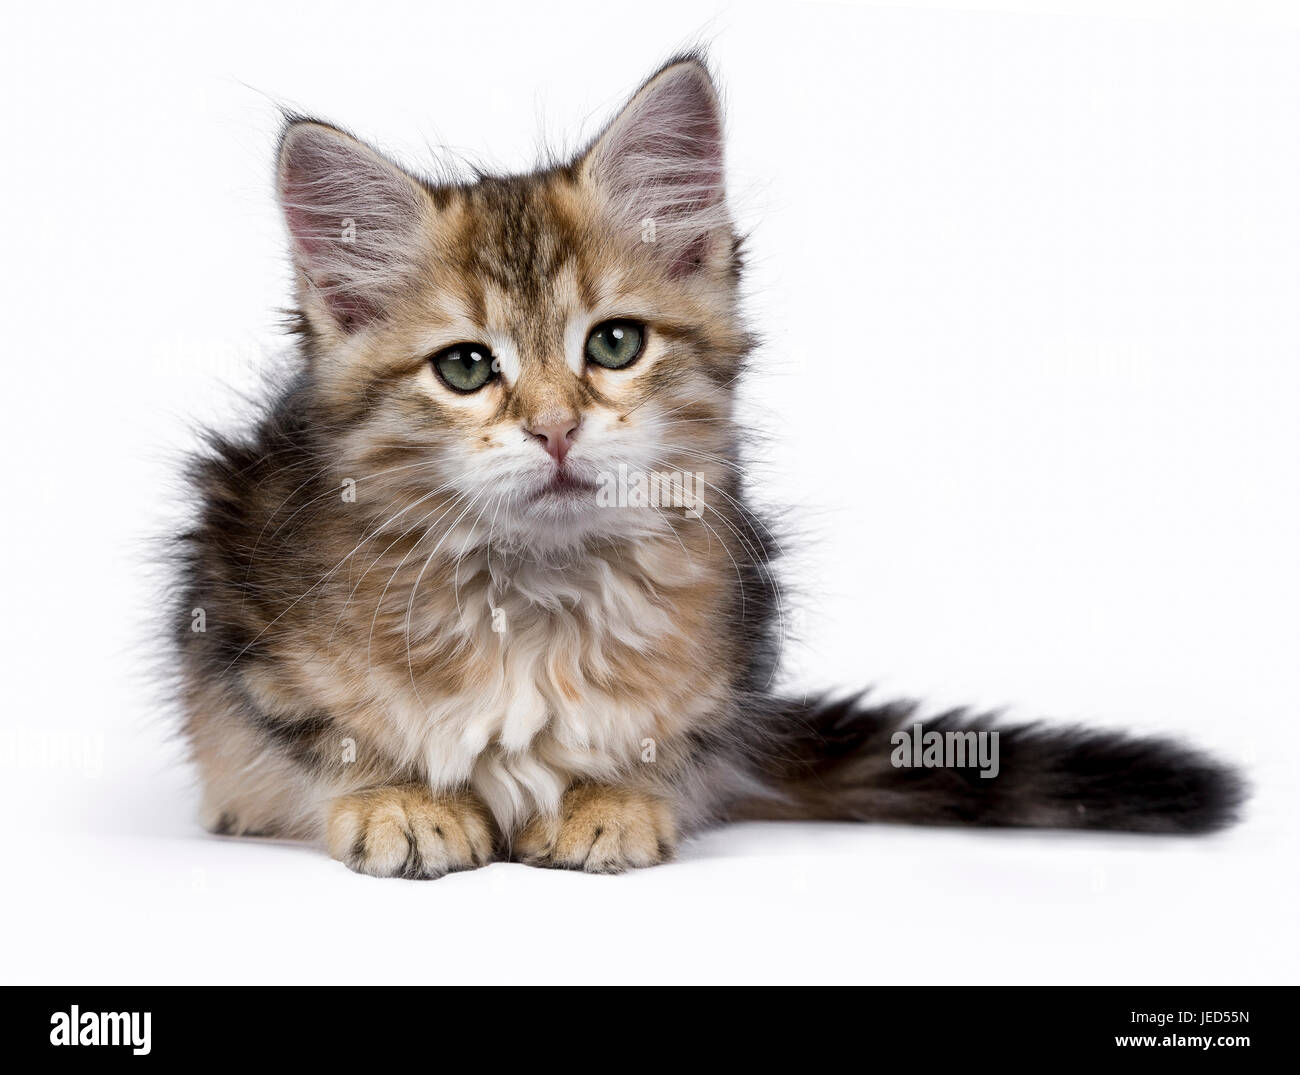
[402, 1025]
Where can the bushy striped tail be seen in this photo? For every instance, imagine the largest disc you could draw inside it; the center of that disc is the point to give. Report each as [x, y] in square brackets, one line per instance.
[843, 760]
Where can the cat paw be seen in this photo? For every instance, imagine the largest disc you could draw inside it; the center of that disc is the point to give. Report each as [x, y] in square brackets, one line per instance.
[601, 830]
[408, 831]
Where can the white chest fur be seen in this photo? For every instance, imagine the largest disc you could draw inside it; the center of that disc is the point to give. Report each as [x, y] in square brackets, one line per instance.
[550, 706]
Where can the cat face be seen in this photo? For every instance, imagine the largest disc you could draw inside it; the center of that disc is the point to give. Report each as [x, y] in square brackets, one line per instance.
[502, 354]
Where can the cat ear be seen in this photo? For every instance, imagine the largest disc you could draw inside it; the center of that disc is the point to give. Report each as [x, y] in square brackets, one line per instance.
[354, 223]
[659, 166]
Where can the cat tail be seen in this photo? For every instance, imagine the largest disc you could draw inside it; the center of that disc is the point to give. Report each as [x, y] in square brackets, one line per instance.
[846, 761]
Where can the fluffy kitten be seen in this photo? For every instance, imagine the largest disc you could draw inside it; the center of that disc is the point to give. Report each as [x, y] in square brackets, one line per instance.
[423, 620]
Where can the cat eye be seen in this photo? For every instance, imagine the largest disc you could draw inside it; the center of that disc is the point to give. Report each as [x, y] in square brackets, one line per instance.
[464, 367]
[615, 344]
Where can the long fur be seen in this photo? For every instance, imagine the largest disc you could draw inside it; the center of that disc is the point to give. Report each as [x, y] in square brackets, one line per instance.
[395, 631]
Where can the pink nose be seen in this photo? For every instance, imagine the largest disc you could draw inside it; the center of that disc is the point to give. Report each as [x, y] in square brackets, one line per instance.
[557, 433]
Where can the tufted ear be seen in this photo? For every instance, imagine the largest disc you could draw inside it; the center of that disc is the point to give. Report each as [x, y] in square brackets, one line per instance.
[355, 224]
[659, 166]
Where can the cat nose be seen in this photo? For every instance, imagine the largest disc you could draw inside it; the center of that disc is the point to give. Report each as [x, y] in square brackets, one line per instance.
[556, 432]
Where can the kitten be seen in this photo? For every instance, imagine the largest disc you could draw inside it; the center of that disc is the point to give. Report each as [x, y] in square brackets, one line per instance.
[483, 582]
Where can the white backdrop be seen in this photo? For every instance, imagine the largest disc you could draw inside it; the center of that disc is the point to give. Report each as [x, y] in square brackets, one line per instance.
[1028, 282]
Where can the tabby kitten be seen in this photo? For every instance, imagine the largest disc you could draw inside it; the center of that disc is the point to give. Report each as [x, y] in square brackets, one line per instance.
[483, 581]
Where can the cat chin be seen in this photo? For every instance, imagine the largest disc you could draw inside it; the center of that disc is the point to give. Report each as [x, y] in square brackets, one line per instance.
[557, 524]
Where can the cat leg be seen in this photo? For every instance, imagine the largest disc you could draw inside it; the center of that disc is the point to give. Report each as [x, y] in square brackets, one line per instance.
[405, 830]
[251, 788]
[600, 829]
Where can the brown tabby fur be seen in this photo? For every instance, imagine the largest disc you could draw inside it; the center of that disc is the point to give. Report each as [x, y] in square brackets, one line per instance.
[352, 682]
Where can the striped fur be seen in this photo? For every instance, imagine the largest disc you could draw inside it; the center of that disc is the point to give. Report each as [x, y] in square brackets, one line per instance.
[420, 649]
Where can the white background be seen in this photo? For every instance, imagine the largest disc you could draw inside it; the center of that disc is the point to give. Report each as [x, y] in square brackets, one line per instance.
[1028, 282]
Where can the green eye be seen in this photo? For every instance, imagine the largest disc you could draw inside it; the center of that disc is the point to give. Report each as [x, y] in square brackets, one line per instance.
[615, 344]
[464, 367]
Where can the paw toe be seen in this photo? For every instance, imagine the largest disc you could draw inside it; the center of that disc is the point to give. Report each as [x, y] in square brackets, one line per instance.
[407, 832]
[600, 830]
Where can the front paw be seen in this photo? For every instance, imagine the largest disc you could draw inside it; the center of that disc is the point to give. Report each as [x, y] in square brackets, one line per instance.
[407, 831]
[600, 829]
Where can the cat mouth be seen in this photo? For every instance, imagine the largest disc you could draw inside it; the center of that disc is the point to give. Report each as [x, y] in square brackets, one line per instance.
[565, 485]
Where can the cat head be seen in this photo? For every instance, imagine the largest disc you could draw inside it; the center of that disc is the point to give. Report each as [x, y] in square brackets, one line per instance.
[512, 342]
